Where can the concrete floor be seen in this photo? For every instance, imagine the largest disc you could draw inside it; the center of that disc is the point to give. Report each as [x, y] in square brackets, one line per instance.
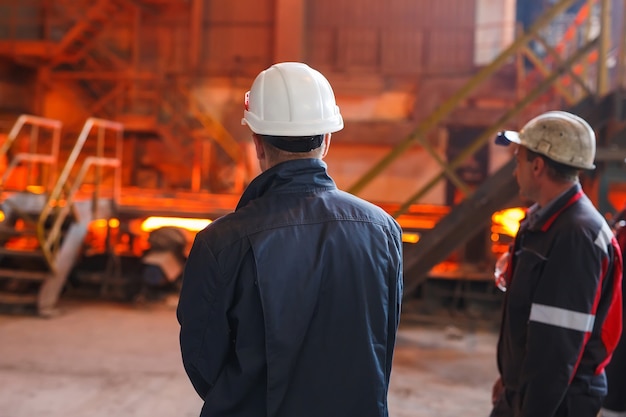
[101, 359]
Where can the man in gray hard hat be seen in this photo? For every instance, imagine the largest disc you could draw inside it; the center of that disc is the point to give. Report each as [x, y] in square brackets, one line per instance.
[562, 314]
[290, 304]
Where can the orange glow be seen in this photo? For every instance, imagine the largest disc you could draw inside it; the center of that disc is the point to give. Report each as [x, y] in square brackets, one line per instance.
[410, 237]
[35, 189]
[23, 243]
[1, 215]
[414, 222]
[499, 248]
[114, 223]
[193, 225]
[508, 220]
[99, 224]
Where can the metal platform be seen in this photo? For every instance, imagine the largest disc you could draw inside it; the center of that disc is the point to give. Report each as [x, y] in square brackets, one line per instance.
[140, 202]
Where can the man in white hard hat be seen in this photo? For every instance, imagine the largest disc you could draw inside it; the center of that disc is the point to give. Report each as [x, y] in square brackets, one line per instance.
[562, 314]
[290, 304]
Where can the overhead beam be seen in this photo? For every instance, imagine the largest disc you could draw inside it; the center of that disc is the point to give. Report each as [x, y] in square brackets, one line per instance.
[102, 75]
[449, 105]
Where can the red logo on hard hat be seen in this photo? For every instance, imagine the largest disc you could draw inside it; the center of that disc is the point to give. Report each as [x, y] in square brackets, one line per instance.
[246, 102]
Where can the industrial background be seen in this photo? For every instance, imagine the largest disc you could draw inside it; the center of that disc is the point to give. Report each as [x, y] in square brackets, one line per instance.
[120, 130]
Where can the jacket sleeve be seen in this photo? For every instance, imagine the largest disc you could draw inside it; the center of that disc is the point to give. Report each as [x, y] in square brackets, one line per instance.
[399, 276]
[204, 330]
[395, 296]
[561, 317]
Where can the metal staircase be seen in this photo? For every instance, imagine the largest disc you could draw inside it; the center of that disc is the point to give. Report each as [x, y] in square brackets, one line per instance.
[83, 34]
[41, 234]
[463, 222]
[111, 83]
[571, 74]
[114, 90]
[499, 191]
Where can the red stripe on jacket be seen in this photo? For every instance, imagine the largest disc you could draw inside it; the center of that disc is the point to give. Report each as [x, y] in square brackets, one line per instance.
[612, 327]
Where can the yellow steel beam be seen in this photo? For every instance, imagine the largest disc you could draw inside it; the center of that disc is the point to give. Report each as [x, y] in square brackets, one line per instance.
[464, 188]
[545, 71]
[490, 132]
[557, 58]
[213, 127]
[603, 49]
[587, 34]
[446, 108]
[218, 132]
[621, 65]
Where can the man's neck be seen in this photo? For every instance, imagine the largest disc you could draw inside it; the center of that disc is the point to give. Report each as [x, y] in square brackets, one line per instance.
[553, 191]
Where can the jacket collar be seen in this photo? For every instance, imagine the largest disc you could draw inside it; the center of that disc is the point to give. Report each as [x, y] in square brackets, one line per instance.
[542, 218]
[298, 175]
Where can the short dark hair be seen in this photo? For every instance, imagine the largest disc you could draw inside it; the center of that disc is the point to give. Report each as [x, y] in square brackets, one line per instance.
[556, 171]
[294, 144]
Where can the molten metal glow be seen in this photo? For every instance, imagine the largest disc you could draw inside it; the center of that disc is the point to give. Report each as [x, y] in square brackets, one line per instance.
[193, 225]
[35, 189]
[410, 237]
[102, 223]
[99, 223]
[509, 220]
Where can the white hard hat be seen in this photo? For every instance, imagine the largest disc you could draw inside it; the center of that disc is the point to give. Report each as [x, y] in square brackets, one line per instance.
[558, 135]
[291, 99]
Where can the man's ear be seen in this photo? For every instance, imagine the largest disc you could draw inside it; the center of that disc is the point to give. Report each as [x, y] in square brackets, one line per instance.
[258, 146]
[326, 144]
[539, 166]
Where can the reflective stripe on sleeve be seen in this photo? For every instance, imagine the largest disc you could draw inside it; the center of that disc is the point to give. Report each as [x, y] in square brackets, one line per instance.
[603, 240]
[561, 317]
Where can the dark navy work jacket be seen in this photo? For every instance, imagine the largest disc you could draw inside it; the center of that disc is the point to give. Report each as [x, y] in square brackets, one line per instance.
[563, 307]
[290, 304]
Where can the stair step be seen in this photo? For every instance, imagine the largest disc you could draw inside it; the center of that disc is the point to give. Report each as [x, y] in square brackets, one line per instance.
[9, 298]
[21, 253]
[10, 231]
[24, 275]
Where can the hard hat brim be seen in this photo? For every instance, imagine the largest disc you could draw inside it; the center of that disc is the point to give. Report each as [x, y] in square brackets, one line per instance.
[506, 137]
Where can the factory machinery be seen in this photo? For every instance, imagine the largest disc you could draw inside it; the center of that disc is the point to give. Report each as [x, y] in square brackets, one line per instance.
[81, 227]
[71, 223]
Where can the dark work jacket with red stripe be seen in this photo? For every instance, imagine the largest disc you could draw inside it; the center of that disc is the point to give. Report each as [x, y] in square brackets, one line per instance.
[615, 399]
[563, 311]
[290, 305]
